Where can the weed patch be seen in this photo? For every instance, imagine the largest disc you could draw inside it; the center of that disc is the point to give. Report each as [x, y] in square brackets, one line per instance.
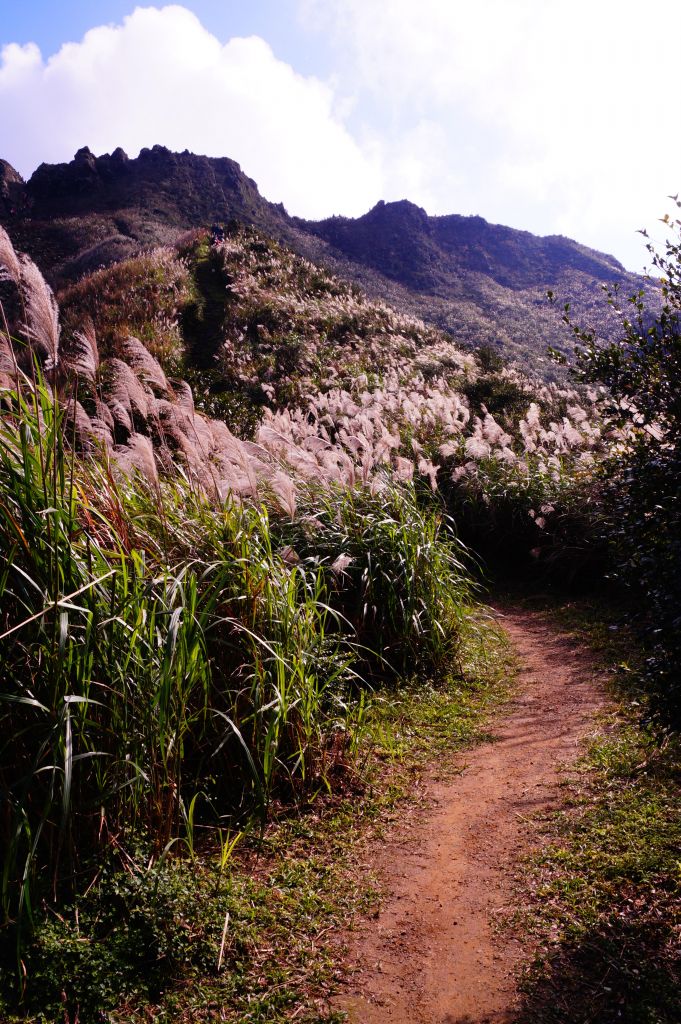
[604, 897]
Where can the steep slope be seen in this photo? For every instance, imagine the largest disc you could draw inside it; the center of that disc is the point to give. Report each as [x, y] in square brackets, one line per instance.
[482, 283]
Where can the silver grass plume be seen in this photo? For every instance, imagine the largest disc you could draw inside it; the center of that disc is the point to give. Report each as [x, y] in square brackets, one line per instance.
[10, 268]
[184, 397]
[137, 455]
[145, 366]
[79, 354]
[123, 389]
[284, 491]
[41, 311]
[78, 424]
[102, 432]
[120, 415]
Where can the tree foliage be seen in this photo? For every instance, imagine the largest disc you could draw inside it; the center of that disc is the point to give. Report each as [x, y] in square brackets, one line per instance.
[642, 373]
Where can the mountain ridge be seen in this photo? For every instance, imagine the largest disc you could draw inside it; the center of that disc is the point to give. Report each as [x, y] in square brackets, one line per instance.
[485, 284]
[462, 236]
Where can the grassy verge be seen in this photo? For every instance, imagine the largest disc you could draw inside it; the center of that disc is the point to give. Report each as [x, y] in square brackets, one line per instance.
[603, 898]
[250, 934]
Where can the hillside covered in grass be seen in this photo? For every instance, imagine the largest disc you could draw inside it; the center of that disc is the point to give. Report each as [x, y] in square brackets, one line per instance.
[319, 382]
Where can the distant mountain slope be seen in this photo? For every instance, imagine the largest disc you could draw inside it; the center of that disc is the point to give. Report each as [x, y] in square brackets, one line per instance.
[428, 253]
[483, 283]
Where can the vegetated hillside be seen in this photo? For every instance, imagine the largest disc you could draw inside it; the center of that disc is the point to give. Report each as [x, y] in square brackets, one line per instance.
[190, 625]
[256, 372]
[328, 383]
[482, 283]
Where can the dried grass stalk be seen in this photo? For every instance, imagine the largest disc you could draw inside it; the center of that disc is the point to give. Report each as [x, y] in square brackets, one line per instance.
[42, 312]
[145, 367]
[79, 354]
[10, 268]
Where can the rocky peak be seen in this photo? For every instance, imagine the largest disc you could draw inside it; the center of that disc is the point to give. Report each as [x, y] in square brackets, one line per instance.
[401, 215]
[12, 187]
[8, 176]
[97, 184]
[394, 238]
[85, 158]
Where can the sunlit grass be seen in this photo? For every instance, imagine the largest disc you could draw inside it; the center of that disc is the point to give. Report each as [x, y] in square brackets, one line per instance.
[172, 666]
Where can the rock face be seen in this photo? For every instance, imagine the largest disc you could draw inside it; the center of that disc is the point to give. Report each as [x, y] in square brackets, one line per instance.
[484, 283]
[177, 187]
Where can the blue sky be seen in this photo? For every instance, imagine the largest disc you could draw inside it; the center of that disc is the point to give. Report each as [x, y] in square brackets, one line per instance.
[49, 23]
[557, 116]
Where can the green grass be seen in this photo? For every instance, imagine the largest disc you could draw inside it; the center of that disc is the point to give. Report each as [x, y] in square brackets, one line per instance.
[144, 944]
[423, 722]
[603, 899]
[170, 674]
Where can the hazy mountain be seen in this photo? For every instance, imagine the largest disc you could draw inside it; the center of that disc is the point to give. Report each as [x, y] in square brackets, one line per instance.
[484, 283]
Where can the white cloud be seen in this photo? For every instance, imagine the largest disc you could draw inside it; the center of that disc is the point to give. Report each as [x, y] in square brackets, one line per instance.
[553, 115]
[160, 77]
[550, 115]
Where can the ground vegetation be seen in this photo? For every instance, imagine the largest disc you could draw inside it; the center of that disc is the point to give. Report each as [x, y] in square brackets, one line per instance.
[244, 510]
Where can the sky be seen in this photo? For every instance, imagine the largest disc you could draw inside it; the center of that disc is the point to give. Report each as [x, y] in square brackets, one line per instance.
[553, 116]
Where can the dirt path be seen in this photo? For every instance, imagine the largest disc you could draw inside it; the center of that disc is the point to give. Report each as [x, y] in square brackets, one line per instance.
[433, 956]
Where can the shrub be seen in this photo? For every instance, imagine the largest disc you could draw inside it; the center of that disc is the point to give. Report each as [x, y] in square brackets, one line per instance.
[642, 372]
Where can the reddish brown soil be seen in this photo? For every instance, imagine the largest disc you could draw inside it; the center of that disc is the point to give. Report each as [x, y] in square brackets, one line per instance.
[434, 955]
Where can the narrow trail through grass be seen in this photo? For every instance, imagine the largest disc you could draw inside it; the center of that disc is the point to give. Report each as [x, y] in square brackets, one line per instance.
[433, 954]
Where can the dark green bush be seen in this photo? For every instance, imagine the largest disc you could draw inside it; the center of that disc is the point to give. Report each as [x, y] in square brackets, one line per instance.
[642, 494]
